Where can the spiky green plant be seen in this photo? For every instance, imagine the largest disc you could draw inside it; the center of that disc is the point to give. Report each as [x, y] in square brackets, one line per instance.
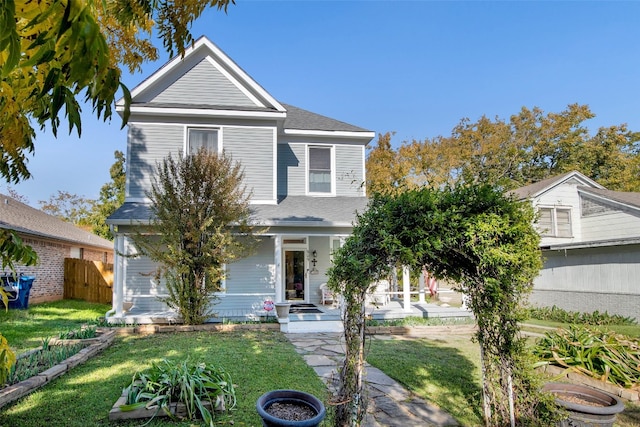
[193, 385]
[606, 356]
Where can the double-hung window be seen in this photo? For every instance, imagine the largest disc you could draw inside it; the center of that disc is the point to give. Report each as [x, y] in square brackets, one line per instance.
[199, 138]
[320, 170]
[555, 222]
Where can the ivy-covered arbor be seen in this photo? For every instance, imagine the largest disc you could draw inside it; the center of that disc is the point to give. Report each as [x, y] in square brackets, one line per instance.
[473, 235]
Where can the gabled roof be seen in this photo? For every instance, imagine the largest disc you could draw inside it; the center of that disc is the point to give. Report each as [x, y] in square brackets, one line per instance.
[302, 211]
[27, 220]
[201, 49]
[541, 187]
[624, 198]
[204, 58]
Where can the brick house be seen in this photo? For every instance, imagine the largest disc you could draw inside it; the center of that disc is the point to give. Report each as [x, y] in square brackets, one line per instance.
[53, 240]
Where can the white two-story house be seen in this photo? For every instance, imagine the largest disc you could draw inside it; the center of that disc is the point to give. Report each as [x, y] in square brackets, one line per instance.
[590, 243]
[305, 171]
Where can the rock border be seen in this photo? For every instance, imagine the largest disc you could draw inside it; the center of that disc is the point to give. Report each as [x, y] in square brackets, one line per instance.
[16, 391]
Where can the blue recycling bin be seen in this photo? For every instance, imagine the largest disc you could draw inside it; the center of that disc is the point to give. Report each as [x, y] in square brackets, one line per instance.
[18, 292]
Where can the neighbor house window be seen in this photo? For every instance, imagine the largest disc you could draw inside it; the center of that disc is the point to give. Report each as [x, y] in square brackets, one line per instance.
[202, 138]
[554, 222]
[320, 170]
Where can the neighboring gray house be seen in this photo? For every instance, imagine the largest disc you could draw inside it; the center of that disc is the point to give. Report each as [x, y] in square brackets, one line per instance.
[53, 240]
[590, 244]
[306, 173]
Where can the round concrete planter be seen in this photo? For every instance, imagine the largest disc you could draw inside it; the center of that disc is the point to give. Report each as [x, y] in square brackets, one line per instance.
[282, 310]
[294, 397]
[601, 414]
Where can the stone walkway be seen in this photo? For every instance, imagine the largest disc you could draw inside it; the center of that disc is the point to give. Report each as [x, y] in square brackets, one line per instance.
[389, 403]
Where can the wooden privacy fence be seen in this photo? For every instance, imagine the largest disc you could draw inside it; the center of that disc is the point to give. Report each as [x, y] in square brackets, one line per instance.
[88, 280]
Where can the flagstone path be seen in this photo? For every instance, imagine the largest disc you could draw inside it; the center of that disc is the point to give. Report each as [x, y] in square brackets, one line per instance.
[389, 403]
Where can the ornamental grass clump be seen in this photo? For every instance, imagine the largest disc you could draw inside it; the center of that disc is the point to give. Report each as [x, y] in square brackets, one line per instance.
[83, 333]
[193, 385]
[40, 360]
[606, 356]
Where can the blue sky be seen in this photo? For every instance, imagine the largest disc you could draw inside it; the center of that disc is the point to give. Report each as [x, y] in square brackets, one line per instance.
[413, 67]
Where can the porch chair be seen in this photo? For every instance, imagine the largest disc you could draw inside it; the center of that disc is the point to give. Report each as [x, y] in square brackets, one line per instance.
[327, 294]
[380, 293]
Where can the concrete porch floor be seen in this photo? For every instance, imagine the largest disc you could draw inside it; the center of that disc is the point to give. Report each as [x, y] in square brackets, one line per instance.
[329, 320]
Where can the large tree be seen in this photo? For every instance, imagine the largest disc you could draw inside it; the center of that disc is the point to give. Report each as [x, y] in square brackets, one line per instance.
[112, 196]
[528, 147]
[68, 207]
[200, 213]
[54, 54]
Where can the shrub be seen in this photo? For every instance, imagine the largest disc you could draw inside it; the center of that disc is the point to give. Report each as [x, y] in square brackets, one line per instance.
[606, 356]
[556, 314]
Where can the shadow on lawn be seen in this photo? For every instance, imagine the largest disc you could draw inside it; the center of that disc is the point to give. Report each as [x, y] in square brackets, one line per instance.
[439, 372]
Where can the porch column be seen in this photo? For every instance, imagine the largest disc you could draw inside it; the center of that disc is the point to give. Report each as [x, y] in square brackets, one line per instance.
[421, 297]
[277, 254]
[406, 288]
[118, 279]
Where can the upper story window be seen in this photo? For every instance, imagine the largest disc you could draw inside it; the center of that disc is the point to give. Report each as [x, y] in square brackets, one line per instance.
[554, 222]
[320, 170]
[198, 138]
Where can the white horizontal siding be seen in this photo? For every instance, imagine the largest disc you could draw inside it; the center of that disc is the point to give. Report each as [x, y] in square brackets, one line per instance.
[254, 149]
[605, 269]
[148, 145]
[612, 225]
[204, 84]
[349, 173]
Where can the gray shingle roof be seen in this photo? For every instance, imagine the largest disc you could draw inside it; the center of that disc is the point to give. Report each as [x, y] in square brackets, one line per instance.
[627, 198]
[533, 189]
[290, 211]
[297, 118]
[25, 219]
[300, 119]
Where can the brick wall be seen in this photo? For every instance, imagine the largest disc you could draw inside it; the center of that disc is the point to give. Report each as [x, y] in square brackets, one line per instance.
[49, 273]
[49, 283]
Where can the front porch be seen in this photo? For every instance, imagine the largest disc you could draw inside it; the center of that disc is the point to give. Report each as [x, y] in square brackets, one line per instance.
[314, 318]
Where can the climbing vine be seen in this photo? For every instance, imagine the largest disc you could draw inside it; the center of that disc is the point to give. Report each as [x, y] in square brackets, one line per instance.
[474, 236]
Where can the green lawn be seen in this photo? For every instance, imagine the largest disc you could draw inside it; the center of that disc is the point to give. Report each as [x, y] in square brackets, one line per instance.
[445, 370]
[257, 362]
[25, 329]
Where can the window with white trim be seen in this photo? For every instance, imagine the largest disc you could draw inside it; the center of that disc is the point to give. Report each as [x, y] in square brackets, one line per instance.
[320, 171]
[554, 222]
[206, 138]
[336, 243]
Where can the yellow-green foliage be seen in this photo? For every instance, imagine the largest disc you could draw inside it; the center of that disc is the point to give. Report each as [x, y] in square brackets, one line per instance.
[7, 359]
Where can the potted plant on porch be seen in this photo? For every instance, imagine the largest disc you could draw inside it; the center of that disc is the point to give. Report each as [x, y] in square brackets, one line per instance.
[290, 408]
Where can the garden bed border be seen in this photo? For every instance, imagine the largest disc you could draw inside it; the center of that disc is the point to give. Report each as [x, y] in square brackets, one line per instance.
[14, 392]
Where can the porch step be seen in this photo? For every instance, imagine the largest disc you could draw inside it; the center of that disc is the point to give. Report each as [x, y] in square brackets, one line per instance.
[307, 326]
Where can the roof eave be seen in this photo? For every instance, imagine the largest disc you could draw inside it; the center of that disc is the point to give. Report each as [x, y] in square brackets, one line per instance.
[592, 244]
[201, 112]
[311, 132]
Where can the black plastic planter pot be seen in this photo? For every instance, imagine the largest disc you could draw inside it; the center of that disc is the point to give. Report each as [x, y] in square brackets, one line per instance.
[601, 414]
[294, 397]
